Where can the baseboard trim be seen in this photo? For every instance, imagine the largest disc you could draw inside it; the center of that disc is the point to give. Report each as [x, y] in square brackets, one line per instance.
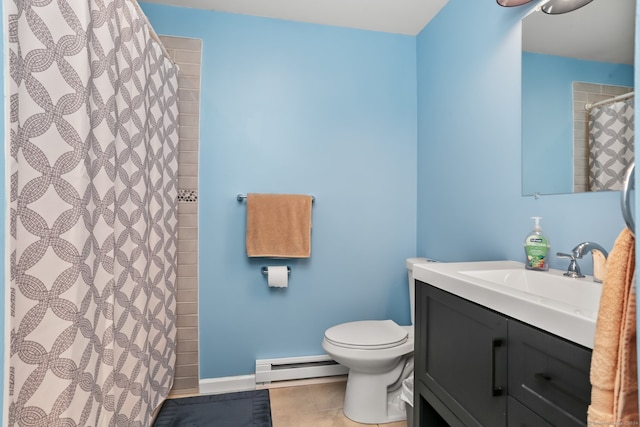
[227, 384]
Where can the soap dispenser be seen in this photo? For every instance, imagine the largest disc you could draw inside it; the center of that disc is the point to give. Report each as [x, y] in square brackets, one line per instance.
[536, 247]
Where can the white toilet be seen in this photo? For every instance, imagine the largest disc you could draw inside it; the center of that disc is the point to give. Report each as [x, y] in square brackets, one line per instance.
[379, 355]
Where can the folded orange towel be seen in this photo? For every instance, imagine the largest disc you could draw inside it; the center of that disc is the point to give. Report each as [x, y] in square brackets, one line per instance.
[613, 362]
[278, 225]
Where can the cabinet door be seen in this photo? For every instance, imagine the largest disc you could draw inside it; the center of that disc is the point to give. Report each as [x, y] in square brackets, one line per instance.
[549, 375]
[462, 357]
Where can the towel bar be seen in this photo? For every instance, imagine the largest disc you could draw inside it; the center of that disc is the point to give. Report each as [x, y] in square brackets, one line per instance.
[627, 186]
[241, 197]
[265, 271]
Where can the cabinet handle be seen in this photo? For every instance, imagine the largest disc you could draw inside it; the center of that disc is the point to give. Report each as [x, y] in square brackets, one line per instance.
[495, 390]
[546, 379]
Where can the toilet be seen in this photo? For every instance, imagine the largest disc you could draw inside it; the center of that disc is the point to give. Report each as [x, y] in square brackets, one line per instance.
[379, 355]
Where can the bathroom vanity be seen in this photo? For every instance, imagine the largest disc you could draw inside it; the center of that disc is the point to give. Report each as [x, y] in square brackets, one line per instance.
[484, 355]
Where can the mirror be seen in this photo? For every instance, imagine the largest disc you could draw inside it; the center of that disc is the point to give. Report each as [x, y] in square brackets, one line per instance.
[569, 60]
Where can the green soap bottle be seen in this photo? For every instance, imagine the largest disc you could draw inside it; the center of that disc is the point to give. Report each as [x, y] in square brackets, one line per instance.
[536, 248]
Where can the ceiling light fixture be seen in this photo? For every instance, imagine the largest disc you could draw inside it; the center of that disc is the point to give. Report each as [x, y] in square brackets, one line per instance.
[509, 3]
[556, 7]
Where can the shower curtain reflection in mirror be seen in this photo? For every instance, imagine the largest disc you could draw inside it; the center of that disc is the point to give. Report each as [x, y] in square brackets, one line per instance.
[93, 203]
[611, 148]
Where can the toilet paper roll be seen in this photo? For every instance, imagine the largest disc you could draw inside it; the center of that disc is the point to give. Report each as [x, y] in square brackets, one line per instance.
[277, 276]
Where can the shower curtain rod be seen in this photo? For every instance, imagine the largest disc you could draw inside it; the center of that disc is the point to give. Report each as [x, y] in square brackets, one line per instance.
[588, 107]
[154, 36]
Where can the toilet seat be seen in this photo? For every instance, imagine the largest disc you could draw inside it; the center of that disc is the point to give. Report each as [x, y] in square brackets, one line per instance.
[367, 335]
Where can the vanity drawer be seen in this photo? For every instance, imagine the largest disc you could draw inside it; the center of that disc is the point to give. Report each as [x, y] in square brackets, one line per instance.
[549, 375]
[520, 416]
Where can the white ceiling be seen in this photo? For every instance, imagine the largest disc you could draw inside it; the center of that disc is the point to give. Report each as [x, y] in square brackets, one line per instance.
[391, 16]
[603, 30]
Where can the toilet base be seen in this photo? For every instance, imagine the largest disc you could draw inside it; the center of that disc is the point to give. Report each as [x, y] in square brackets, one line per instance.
[367, 400]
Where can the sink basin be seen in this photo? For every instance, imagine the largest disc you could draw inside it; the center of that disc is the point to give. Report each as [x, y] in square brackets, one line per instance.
[558, 304]
[548, 287]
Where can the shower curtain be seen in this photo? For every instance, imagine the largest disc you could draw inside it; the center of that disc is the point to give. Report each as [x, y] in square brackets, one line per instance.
[611, 133]
[93, 214]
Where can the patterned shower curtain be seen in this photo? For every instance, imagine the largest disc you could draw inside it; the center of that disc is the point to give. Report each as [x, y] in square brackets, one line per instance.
[611, 133]
[93, 208]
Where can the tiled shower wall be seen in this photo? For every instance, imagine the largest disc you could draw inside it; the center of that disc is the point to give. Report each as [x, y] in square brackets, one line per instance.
[586, 93]
[187, 54]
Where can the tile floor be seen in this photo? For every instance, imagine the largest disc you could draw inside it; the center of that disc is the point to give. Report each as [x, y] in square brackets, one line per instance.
[308, 404]
[313, 405]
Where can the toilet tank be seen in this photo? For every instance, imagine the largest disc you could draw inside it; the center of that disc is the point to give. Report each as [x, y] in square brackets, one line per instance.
[412, 288]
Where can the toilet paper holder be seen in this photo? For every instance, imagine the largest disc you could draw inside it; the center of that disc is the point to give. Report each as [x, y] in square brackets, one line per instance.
[265, 271]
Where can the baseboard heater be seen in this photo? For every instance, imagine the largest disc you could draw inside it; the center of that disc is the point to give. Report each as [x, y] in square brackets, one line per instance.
[295, 368]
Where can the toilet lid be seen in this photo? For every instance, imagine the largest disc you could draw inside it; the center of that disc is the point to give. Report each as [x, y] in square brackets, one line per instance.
[367, 334]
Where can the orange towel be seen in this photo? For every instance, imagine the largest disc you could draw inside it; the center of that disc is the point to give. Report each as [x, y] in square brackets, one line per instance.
[614, 384]
[625, 401]
[279, 225]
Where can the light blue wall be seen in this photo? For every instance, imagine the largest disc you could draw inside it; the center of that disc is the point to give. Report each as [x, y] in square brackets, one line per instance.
[470, 205]
[547, 115]
[300, 108]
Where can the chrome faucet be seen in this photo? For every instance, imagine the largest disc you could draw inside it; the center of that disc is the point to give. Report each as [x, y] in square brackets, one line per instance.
[585, 247]
[574, 269]
[577, 253]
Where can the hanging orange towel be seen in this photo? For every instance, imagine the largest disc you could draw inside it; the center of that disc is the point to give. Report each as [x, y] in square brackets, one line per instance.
[614, 383]
[279, 225]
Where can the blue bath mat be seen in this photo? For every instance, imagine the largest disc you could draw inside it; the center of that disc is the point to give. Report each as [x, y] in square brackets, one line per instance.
[243, 409]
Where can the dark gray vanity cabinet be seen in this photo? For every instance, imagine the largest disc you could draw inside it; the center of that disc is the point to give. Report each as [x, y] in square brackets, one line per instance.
[461, 358]
[476, 367]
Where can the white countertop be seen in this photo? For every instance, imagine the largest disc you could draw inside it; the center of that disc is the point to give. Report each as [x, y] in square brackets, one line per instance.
[545, 299]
